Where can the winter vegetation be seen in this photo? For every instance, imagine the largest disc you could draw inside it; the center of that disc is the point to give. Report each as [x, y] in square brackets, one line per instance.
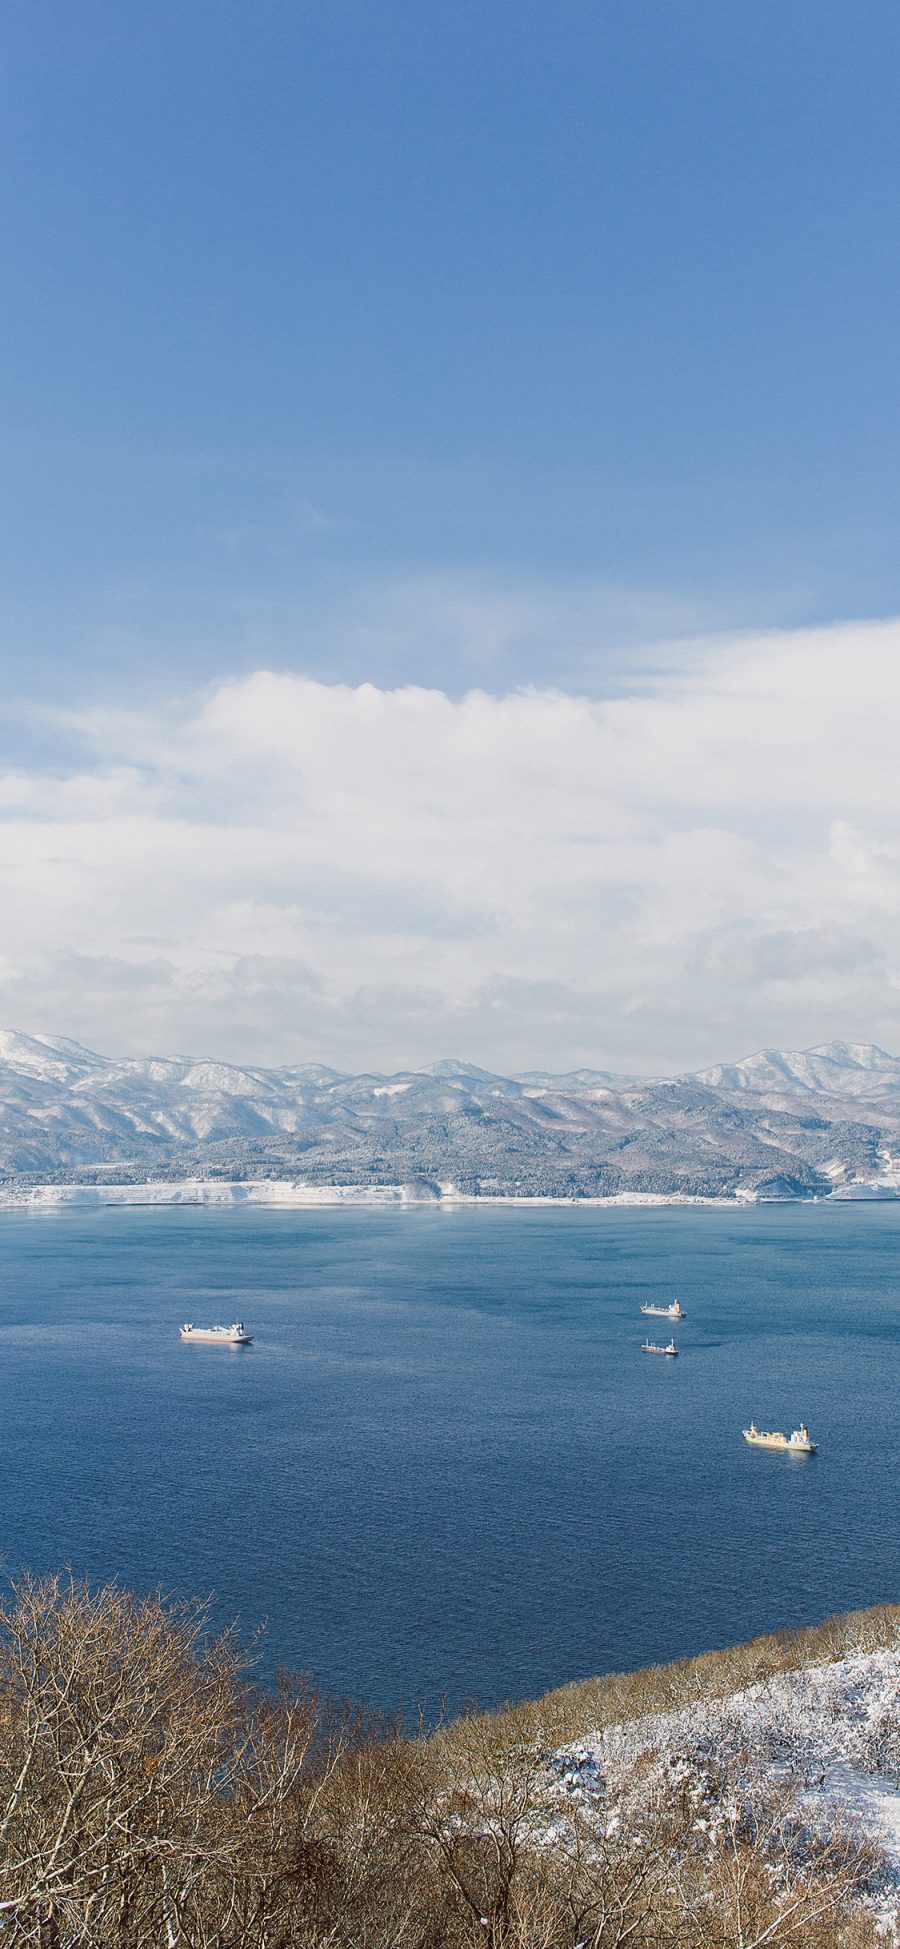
[150, 1794]
[819, 1123]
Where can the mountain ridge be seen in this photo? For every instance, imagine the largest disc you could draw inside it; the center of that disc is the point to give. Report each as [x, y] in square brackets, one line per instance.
[824, 1121]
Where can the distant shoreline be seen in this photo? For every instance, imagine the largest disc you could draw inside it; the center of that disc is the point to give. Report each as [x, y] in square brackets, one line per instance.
[285, 1193]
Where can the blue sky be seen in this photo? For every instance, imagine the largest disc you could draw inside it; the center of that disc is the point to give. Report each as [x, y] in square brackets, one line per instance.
[463, 347]
[305, 298]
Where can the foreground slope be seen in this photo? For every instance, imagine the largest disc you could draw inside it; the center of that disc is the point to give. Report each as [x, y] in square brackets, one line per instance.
[151, 1795]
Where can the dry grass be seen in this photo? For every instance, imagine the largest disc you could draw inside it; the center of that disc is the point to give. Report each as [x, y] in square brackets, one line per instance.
[592, 1704]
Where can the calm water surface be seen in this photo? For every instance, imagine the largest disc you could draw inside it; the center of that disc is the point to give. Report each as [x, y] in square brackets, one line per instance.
[444, 1468]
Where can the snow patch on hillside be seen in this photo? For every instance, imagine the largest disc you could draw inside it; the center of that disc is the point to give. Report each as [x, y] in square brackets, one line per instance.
[831, 1732]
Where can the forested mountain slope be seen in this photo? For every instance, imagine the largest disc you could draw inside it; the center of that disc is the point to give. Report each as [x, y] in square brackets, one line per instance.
[819, 1122]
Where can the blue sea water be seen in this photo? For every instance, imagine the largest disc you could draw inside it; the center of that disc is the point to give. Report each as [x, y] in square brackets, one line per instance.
[444, 1469]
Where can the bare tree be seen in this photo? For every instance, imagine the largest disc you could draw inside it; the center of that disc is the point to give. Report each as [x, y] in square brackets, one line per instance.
[145, 1794]
[759, 1877]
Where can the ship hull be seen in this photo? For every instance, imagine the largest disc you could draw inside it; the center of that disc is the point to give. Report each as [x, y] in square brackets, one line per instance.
[217, 1339]
[781, 1447]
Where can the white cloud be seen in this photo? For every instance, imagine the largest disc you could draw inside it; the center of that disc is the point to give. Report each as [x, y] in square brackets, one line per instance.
[281, 868]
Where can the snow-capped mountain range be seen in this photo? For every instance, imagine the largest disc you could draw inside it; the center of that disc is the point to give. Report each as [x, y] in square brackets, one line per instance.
[837, 1069]
[812, 1122]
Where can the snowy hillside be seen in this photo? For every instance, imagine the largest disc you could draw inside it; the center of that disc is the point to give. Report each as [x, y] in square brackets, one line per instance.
[825, 1740]
[823, 1121]
[839, 1070]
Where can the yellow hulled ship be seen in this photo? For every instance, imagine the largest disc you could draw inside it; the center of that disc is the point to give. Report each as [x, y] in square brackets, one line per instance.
[797, 1443]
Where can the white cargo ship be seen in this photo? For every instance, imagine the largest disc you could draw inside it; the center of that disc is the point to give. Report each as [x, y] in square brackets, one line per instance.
[650, 1346]
[798, 1443]
[218, 1336]
[673, 1312]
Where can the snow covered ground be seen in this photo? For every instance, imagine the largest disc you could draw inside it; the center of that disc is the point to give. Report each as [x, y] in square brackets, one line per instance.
[287, 1191]
[201, 1191]
[831, 1733]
